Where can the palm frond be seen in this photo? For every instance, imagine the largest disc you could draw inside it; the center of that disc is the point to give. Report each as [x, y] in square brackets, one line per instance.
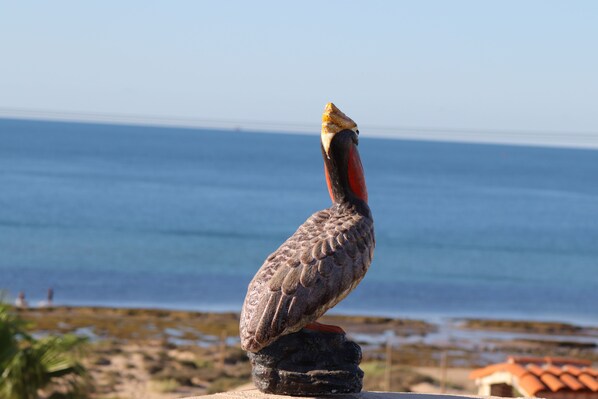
[28, 364]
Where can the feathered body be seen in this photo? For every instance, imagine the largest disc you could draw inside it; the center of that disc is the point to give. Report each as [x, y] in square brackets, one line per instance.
[323, 260]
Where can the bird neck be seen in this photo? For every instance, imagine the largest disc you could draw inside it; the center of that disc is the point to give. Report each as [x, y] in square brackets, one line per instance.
[344, 175]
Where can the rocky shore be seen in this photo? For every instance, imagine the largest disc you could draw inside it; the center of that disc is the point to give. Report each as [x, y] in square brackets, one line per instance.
[170, 353]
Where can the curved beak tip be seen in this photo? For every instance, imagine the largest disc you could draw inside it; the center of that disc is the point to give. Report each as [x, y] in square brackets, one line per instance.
[334, 121]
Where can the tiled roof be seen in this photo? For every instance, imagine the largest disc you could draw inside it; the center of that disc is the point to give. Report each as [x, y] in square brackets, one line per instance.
[536, 374]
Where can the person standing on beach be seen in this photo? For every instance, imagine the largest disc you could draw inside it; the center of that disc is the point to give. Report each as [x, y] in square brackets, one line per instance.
[49, 301]
[21, 302]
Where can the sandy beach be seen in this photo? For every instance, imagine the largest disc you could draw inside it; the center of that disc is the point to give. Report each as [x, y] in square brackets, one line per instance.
[149, 353]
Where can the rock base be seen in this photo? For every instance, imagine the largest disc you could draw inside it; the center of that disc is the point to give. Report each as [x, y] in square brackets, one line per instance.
[308, 363]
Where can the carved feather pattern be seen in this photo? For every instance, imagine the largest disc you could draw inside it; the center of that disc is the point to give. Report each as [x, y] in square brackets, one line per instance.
[307, 275]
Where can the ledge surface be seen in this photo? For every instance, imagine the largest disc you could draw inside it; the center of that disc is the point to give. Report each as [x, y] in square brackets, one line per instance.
[255, 394]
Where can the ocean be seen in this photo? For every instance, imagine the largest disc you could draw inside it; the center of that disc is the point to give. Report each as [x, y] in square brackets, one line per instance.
[180, 218]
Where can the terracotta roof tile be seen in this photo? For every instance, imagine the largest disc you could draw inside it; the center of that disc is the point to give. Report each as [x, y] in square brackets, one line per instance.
[535, 369]
[552, 369]
[535, 374]
[483, 372]
[572, 370]
[531, 384]
[589, 382]
[516, 369]
[572, 382]
[590, 371]
[552, 382]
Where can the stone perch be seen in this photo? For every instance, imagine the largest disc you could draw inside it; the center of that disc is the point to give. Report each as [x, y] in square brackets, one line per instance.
[308, 363]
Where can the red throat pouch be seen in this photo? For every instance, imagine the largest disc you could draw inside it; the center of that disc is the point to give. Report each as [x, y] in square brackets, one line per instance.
[328, 184]
[355, 174]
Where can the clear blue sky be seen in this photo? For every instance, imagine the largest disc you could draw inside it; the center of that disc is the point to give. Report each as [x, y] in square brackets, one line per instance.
[515, 65]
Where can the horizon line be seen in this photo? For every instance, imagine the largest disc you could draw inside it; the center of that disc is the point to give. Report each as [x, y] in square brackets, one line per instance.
[534, 138]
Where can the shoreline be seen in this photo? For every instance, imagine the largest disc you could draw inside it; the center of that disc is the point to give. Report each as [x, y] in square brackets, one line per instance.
[432, 317]
[370, 329]
[176, 353]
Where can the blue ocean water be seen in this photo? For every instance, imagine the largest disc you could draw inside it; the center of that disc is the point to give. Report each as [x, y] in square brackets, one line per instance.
[182, 218]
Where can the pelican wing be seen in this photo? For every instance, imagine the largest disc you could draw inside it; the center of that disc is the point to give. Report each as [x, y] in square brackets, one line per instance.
[310, 273]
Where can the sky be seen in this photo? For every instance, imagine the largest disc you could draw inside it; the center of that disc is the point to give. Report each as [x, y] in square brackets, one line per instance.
[474, 70]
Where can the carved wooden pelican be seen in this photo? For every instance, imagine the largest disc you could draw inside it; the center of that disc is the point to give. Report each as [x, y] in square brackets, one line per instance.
[326, 257]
